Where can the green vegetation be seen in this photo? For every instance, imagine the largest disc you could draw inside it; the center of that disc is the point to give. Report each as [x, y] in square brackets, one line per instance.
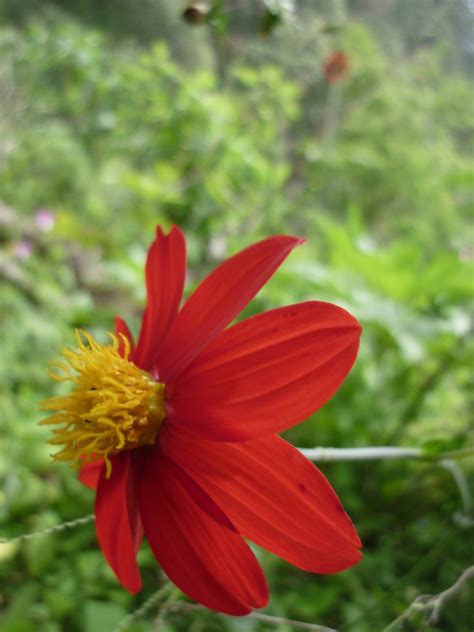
[114, 126]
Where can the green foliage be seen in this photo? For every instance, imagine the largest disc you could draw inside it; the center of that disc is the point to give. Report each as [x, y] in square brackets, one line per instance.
[374, 171]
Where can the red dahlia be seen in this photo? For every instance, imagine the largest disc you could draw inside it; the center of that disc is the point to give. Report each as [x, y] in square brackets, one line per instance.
[336, 66]
[178, 434]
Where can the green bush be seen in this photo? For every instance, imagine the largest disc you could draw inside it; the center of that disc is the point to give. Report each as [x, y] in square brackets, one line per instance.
[374, 171]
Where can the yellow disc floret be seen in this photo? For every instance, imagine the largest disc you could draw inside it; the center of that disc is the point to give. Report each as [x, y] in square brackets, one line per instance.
[114, 405]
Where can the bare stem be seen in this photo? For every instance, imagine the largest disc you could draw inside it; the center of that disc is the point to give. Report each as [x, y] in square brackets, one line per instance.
[294, 625]
[261, 616]
[388, 453]
[144, 608]
[166, 607]
[325, 455]
[431, 605]
[379, 453]
[453, 468]
[54, 529]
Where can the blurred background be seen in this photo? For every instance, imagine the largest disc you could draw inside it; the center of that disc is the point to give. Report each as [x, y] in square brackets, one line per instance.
[347, 122]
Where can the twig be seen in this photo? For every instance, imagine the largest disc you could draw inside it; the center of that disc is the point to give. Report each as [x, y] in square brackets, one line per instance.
[261, 616]
[295, 625]
[379, 453]
[57, 527]
[326, 455]
[166, 607]
[431, 605]
[426, 560]
[144, 608]
[439, 600]
[171, 605]
[453, 468]
[387, 453]
[360, 454]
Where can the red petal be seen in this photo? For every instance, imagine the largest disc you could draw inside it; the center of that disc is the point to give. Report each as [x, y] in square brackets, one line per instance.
[118, 523]
[266, 373]
[194, 541]
[121, 327]
[218, 300]
[90, 473]
[274, 496]
[165, 275]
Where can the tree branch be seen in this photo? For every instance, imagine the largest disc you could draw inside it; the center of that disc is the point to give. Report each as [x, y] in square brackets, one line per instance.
[431, 605]
[260, 616]
[379, 453]
[326, 455]
[388, 453]
[145, 607]
[170, 604]
[57, 527]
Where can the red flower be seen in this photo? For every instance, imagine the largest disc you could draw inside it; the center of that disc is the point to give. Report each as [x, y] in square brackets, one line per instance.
[336, 66]
[212, 400]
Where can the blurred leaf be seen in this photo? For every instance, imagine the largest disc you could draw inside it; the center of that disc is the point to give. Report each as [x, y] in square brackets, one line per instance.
[269, 20]
[102, 617]
[433, 447]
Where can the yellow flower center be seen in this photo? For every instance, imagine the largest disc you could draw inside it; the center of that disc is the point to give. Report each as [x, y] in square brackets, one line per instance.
[114, 405]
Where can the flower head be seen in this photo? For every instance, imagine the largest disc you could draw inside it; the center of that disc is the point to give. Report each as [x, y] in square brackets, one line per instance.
[336, 66]
[45, 219]
[114, 406]
[23, 249]
[178, 434]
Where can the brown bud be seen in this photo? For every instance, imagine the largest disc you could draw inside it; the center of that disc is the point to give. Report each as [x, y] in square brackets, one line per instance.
[196, 13]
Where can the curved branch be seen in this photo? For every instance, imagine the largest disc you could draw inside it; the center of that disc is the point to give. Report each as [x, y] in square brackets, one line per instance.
[55, 528]
[431, 605]
[379, 453]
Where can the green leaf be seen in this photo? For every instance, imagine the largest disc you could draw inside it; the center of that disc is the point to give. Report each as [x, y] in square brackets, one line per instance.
[101, 616]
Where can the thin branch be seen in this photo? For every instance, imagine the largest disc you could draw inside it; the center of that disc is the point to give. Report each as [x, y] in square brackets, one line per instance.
[260, 616]
[326, 455]
[295, 625]
[379, 453]
[166, 607]
[387, 453]
[360, 454]
[144, 608]
[55, 528]
[439, 600]
[431, 605]
[453, 468]
[170, 604]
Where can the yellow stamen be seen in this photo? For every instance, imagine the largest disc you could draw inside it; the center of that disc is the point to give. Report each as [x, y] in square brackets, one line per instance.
[114, 405]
